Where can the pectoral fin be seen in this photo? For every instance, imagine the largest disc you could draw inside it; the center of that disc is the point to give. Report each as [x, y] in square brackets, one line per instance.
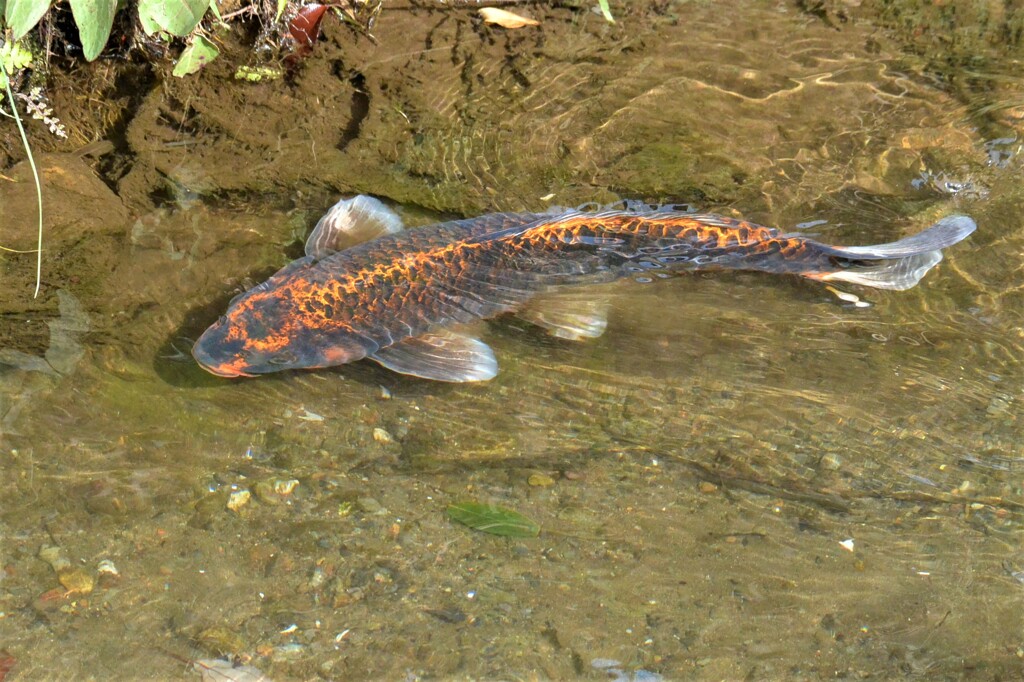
[350, 222]
[441, 356]
[567, 316]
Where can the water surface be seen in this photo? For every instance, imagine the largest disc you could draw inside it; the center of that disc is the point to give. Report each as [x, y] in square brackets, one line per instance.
[745, 477]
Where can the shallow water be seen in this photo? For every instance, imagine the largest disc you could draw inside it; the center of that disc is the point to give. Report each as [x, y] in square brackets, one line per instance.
[744, 477]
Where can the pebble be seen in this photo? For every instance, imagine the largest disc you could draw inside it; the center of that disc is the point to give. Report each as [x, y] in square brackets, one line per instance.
[220, 640]
[76, 581]
[273, 492]
[369, 505]
[107, 567]
[283, 488]
[707, 487]
[238, 499]
[831, 461]
[382, 436]
[288, 651]
[54, 557]
[540, 480]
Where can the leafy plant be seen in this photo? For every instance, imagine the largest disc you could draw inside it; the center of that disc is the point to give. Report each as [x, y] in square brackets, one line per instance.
[177, 17]
[13, 57]
[198, 54]
[490, 518]
[22, 15]
[95, 19]
[35, 171]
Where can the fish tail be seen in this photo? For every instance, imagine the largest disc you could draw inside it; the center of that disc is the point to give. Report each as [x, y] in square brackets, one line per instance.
[897, 265]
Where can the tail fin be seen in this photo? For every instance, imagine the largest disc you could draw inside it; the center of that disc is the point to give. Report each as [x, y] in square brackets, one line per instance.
[900, 265]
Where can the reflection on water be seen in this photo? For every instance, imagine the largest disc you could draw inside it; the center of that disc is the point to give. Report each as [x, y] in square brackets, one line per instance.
[739, 456]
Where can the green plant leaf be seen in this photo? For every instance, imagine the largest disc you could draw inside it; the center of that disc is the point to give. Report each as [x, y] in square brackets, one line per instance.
[94, 19]
[149, 24]
[14, 56]
[606, 11]
[177, 17]
[281, 4]
[22, 15]
[489, 518]
[197, 55]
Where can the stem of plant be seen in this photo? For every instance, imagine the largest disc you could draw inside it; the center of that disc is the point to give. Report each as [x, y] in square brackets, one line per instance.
[35, 174]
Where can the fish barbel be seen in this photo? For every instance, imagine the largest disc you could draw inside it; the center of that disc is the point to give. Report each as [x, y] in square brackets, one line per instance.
[367, 288]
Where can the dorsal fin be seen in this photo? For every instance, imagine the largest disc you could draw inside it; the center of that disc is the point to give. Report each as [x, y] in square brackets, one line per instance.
[350, 222]
[441, 355]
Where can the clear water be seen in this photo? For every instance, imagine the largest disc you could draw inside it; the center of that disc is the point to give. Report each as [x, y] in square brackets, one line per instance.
[745, 477]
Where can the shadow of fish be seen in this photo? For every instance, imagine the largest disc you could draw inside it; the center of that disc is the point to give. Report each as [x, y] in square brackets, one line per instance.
[367, 288]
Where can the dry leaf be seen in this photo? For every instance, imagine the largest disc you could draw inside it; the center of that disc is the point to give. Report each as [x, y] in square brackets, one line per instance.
[493, 15]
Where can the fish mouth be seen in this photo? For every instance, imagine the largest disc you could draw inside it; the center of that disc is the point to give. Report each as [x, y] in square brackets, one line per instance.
[225, 370]
[228, 369]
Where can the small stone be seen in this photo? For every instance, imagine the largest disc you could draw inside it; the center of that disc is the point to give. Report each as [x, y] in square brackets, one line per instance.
[369, 505]
[288, 651]
[238, 499]
[285, 488]
[265, 493]
[54, 557]
[219, 640]
[382, 436]
[76, 581]
[540, 481]
[107, 567]
[707, 487]
[385, 394]
[831, 462]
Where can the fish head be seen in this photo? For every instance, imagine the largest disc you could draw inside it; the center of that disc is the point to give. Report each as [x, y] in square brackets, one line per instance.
[245, 342]
[271, 328]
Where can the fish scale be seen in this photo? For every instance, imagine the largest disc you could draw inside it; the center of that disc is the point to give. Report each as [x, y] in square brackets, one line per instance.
[398, 298]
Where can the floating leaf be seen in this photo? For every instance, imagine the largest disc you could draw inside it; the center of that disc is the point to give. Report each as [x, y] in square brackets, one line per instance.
[22, 15]
[489, 518]
[177, 17]
[505, 19]
[94, 19]
[197, 55]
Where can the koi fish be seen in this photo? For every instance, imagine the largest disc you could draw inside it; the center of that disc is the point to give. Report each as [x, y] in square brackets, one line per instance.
[368, 288]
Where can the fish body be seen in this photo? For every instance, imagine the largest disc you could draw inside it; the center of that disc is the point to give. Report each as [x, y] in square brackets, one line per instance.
[368, 288]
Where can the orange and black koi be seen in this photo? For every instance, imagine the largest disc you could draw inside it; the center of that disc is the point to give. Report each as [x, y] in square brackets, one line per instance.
[369, 289]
